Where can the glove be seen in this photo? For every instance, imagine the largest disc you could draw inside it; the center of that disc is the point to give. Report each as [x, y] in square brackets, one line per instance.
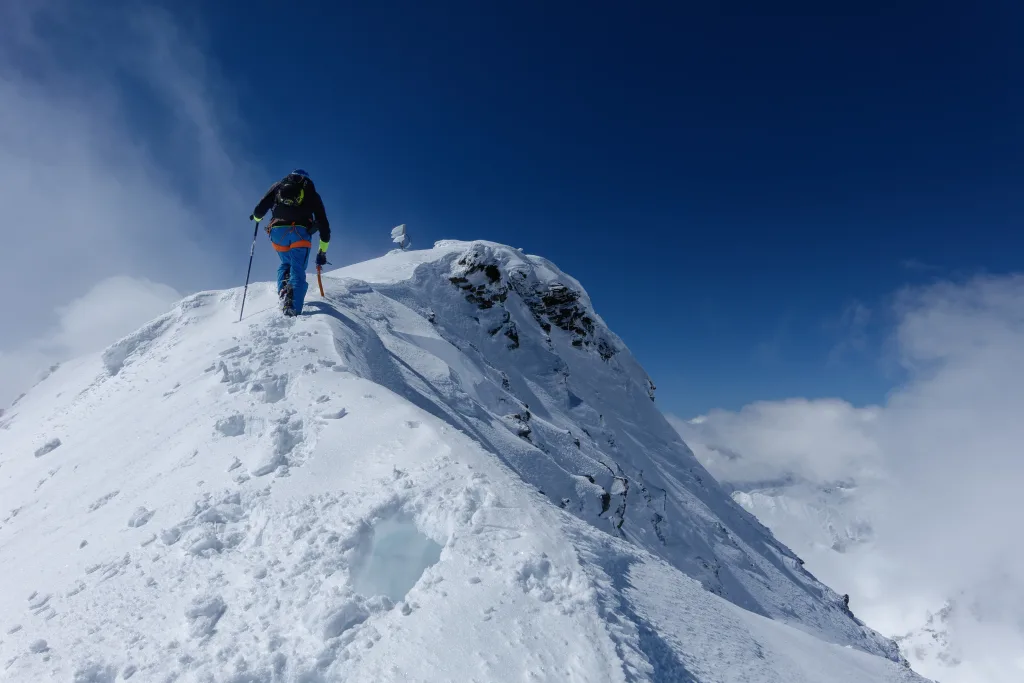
[321, 258]
[252, 217]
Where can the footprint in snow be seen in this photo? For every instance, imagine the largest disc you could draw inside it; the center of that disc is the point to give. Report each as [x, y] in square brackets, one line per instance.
[231, 426]
[100, 502]
[275, 388]
[48, 447]
[92, 672]
[336, 415]
[37, 602]
[283, 439]
[167, 536]
[204, 614]
[140, 517]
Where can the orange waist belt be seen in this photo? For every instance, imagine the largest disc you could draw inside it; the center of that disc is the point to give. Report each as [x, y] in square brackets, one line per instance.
[294, 245]
[298, 244]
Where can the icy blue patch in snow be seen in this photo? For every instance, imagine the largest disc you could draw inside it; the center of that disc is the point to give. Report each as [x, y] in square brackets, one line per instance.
[399, 554]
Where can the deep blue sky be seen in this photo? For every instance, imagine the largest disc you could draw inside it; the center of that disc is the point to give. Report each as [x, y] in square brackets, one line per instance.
[725, 178]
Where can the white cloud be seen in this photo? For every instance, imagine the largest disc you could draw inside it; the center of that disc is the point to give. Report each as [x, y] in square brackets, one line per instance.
[113, 308]
[114, 162]
[943, 460]
[110, 310]
[772, 440]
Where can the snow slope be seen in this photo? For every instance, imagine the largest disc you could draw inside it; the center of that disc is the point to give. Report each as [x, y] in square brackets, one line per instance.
[447, 470]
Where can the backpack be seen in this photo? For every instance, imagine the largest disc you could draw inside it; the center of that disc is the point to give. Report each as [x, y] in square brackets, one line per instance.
[291, 191]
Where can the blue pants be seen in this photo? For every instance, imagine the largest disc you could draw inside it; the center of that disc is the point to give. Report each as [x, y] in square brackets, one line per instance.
[292, 244]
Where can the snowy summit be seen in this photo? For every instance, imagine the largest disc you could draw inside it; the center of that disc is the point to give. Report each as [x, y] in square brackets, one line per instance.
[447, 469]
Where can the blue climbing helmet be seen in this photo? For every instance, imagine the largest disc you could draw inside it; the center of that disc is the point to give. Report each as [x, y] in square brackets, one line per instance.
[300, 172]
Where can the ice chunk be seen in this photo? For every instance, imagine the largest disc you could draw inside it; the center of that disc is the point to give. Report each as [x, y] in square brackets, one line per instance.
[397, 558]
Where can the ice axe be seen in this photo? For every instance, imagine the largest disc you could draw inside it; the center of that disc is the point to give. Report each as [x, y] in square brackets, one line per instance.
[318, 280]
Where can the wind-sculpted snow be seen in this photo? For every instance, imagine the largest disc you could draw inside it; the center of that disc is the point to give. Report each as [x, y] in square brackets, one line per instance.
[508, 348]
[447, 469]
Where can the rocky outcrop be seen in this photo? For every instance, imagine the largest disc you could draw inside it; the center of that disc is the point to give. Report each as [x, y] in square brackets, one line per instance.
[552, 305]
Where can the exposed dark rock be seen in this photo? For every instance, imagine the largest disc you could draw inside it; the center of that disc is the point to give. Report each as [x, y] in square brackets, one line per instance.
[557, 305]
[513, 335]
[656, 521]
[485, 294]
[520, 424]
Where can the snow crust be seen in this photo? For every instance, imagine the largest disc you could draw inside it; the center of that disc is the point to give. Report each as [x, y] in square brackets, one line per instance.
[449, 469]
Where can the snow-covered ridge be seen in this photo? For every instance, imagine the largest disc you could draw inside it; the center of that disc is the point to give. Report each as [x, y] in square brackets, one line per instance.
[448, 469]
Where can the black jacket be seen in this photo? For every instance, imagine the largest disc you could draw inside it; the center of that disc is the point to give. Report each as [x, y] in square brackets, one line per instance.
[310, 214]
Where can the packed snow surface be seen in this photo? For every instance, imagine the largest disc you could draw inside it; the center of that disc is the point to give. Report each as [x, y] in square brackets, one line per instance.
[448, 469]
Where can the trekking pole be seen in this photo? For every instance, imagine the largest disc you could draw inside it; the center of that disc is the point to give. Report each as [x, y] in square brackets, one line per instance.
[252, 250]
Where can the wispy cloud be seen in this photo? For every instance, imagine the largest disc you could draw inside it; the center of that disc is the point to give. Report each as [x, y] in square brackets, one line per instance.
[111, 309]
[770, 440]
[944, 452]
[771, 349]
[916, 266]
[852, 328]
[114, 162]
